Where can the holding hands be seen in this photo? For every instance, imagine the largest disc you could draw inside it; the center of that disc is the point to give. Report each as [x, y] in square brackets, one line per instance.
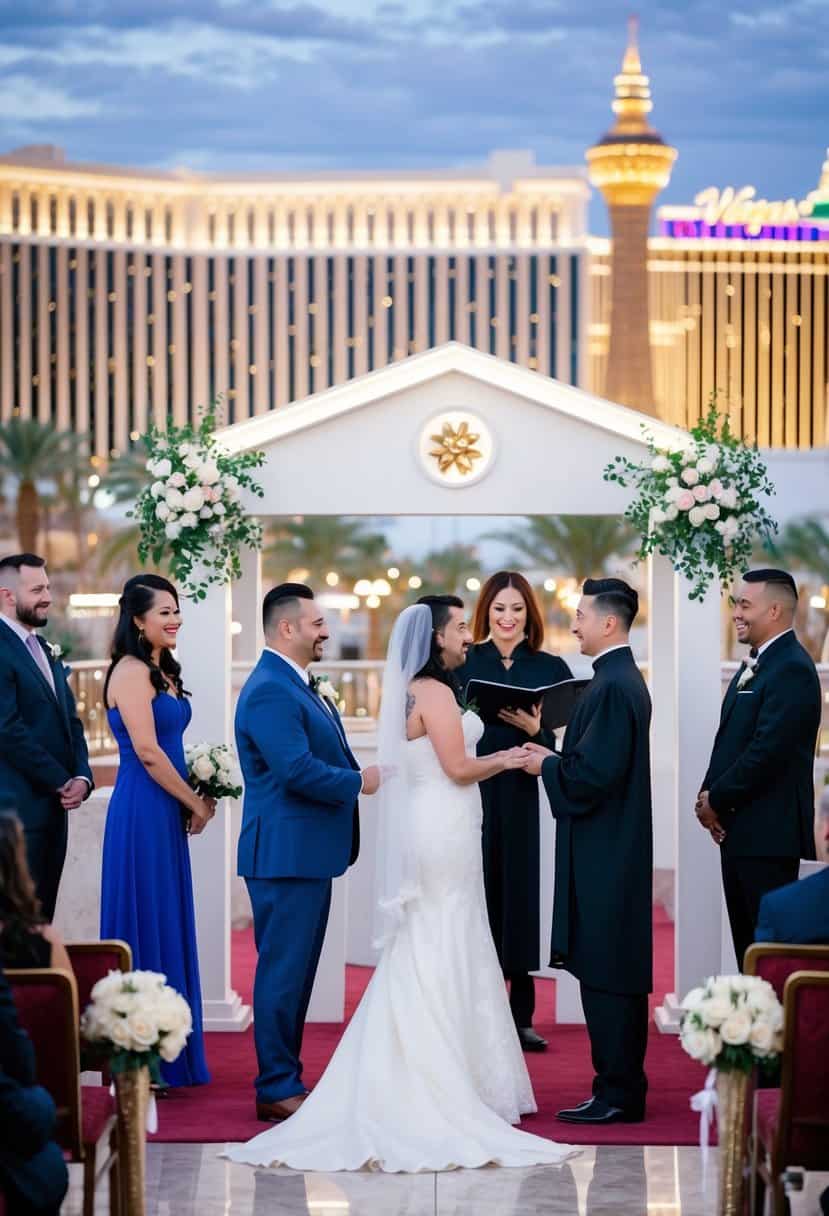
[708, 817]
[514, 757]
[538, 755]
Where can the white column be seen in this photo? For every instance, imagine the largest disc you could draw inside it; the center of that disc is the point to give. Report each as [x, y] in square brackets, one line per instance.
[207, 631]
[662, 679]
[698, 897]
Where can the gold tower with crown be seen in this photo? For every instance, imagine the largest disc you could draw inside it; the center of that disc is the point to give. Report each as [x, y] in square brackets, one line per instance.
[630, 165]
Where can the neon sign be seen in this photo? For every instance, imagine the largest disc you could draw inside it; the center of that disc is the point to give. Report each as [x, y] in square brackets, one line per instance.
[739, 214]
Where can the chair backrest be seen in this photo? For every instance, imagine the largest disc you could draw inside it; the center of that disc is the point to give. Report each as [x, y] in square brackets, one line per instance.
[803, 1135]
[92, 961]
[47, 1008]
[776, 961]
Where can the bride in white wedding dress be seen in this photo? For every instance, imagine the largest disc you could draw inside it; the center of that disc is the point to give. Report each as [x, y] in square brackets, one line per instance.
[429, 1074]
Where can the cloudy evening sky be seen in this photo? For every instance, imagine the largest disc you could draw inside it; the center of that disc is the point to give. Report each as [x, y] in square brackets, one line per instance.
[740, 87]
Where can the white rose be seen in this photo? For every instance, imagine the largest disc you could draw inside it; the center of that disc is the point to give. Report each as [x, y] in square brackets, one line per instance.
[119, 1033]
[194, 499]
[705, 467]
[714, 1010]
[174, 499]
[702, 1045]
[736, 1028]
[671, 512]
[660, 464]
[690, 477]
[728, 498]
[208, 473]
[162, 469]
[218, 508]
[178, 480]
[206, 513]
[172, 1046]
[173, 530]
[192, 460]
[712, 454]
[203, 768]
[189, 520]
[162, 511]
[697, 516]
[712, 511]
[157, 489]
[761, 1037]
[657, 515]
[694, 998]
[142, 1029]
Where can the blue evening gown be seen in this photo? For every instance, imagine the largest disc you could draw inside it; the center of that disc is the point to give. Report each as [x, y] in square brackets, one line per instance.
[146, 884]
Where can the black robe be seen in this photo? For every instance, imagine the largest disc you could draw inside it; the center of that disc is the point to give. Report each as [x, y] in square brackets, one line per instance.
[510, 804]
[600, 794]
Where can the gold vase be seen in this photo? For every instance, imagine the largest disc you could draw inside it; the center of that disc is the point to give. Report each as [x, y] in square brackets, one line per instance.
[732, 1093]
[132, 1091]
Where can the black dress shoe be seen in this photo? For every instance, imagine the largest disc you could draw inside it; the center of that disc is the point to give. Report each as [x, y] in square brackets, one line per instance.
[596, 1111]
[531, 1040]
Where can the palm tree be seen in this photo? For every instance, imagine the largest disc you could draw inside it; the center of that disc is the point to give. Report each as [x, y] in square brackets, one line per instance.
[804, 543]
[322, 544]
[445, 571]
[578, 545]
[32, 453]
[126, 478]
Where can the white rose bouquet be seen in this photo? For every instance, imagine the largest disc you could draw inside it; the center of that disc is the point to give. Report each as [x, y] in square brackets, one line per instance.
[699, 505]
[732, 1023]
[213, 770]
[191, 511]
[137, 1019]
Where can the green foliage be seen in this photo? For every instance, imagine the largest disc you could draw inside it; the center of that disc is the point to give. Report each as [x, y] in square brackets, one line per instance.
[699, 504]
[192, 516]
[580, 545]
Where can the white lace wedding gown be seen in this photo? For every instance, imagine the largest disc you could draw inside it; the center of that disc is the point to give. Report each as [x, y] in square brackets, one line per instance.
[429, 1074]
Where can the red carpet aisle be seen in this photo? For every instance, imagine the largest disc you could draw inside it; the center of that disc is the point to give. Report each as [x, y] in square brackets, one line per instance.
[224, 1110]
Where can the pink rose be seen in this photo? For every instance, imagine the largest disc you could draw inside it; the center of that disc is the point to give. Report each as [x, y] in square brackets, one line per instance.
[686, 501]
[701, 493]
[716, 487]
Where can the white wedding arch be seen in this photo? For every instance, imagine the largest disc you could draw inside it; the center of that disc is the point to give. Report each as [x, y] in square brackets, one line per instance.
[359, 449]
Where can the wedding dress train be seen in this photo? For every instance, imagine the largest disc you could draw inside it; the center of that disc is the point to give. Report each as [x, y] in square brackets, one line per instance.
[429, 1074]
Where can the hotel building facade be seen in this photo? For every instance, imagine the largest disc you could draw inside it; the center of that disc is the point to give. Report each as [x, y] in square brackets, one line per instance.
[126, 295]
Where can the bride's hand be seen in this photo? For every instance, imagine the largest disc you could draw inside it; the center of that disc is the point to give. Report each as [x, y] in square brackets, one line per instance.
[516, 757]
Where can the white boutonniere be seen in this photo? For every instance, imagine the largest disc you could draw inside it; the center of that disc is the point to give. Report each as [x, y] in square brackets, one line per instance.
[750, 666]
[55, 650]
[323, 686]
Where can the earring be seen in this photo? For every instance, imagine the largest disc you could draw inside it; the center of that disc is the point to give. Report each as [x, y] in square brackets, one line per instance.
[141, 638]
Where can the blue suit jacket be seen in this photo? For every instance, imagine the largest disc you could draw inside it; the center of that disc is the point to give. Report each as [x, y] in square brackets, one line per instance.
[797, 913]
[300, 815]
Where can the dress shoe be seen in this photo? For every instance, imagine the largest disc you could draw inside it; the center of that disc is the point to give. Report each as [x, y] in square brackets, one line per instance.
[277, 1112]
[597, 1111]
[531, 1040]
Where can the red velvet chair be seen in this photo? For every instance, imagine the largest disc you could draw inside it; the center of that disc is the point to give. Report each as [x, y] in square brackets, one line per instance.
[47, 1008]
[776, 961]
[791, 1124]
[92, 961]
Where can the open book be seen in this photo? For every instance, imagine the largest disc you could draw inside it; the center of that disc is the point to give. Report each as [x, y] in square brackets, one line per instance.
[557, 700]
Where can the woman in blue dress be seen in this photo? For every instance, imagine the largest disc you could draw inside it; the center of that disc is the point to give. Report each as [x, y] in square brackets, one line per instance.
[146, 888]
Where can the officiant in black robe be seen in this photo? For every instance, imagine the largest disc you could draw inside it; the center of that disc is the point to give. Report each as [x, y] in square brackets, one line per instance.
[508, 629]
[600, 793]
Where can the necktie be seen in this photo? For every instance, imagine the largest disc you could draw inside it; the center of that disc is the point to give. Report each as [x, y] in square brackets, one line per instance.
[36, 651]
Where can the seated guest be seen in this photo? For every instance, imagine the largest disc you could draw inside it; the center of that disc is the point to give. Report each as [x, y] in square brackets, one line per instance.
[33, 1174]
[25, 939]
[799, 912]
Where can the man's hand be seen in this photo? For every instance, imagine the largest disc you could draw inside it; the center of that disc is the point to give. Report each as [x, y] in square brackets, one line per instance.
[530, 723]
[538, 755]
[73, 793]
[372, 778]
[708, 817]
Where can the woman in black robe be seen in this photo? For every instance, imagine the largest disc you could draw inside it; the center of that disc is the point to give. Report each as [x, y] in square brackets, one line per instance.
[508, 631]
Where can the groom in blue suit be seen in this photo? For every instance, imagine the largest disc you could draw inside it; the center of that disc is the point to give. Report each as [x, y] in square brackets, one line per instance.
[300, 829]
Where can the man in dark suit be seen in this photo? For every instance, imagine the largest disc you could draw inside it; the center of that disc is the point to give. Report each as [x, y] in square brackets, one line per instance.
[757, 799]
[33, 1174]
[799, 913]
[44, 763]
[600, 794]
[300, 829]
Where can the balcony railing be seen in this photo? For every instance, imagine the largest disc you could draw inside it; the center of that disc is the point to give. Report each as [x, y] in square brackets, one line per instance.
[358, 683]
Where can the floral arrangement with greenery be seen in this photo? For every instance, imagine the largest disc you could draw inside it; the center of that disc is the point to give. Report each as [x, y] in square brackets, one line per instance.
[699, 504]
[191, 513]
[137, 1019]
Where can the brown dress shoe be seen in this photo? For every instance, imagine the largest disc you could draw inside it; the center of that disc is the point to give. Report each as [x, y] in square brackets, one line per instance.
[277, 1112]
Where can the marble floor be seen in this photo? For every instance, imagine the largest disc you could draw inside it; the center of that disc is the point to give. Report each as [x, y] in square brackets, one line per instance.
[192, 1180]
